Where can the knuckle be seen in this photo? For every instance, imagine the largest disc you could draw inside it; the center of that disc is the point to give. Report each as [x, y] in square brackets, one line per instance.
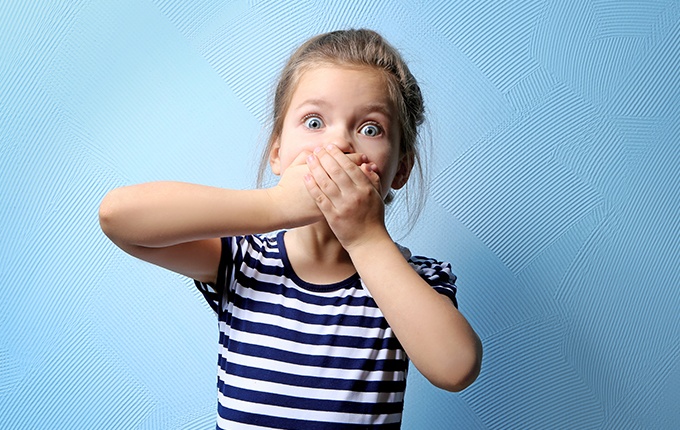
[335, 170]
[348, 163]
[325, 183]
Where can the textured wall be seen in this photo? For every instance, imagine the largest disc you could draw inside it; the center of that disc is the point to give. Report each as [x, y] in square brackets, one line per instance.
[554, 191]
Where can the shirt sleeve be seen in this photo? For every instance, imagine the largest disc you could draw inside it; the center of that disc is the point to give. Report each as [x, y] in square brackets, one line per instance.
[436, 273]
[214, 293]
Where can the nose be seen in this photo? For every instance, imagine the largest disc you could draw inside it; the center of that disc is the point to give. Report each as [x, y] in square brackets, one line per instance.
[342, 138]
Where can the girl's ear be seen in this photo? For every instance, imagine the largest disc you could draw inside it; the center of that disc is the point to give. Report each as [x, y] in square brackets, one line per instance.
[403, 171]
[274, 158]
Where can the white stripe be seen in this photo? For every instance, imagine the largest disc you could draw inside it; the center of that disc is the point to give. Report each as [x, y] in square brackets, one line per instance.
[309, 393]
[312, 350]
[266, 261]
[291, 324]
[265, 253]
[304, 414]
[313, 371]
[312, 308]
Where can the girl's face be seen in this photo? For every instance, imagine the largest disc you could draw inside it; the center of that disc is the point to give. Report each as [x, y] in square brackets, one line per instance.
[347, 107]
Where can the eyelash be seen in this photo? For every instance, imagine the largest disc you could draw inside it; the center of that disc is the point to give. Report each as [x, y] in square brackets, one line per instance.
[312, 115]
[380, 128]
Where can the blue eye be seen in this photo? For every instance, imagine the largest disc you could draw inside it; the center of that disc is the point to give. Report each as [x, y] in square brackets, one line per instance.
[313, 123]
[371, 130]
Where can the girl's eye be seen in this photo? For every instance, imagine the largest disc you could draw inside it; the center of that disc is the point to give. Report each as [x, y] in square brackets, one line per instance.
[371, 130]
[313, 123]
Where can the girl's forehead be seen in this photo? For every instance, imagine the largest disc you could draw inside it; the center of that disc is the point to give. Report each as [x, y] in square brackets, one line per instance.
[340, 73]
[342, 83]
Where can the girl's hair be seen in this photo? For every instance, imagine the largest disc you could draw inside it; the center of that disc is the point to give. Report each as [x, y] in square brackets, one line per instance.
[355, 48]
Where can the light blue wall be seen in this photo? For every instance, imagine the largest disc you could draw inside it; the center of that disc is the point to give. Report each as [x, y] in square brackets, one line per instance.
[554, 185]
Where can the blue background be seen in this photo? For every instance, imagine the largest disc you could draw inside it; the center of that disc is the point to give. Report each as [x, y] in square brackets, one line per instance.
[554, 191]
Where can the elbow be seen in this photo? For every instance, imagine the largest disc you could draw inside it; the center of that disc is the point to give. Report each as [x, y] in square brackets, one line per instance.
[109, 214]
[462, 371]
[461, 380]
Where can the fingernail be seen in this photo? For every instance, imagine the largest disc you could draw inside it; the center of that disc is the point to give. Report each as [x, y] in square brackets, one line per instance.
[308, 177]
[317, 149]
[329, 147]
[310, 158]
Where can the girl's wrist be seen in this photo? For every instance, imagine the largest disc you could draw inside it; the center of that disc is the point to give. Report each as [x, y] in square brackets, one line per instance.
[367, 247]
[276, 208]
[287, 213]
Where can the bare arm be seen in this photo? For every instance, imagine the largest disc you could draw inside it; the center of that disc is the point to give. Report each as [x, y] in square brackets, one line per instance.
[178, 225]
[435, 335]
[162, 214]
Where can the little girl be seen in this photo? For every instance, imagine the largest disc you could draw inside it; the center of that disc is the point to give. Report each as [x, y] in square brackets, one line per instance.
[319, 320]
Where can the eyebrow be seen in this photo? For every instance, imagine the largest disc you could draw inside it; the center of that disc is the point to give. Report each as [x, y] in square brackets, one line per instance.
[313, 102]
[381, 108]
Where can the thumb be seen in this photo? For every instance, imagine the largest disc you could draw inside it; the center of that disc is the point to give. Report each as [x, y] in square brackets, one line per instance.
[301, 158]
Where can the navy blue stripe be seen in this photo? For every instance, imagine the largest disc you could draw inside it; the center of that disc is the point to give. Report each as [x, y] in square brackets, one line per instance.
[261, 267]
[340, 319]
[225, 272]
[309, 404]
[388, 365]
[294, 293]
[289, 423]
[211, 297]
[360, 385]
[314, 339]
[256, 243]
[267, 249]
[213, 292]
[224, 339]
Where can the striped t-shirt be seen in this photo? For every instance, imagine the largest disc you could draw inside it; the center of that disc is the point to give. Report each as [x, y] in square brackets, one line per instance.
[295, 355]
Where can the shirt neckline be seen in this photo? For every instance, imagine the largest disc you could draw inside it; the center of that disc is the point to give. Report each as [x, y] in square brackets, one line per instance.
[350, 282]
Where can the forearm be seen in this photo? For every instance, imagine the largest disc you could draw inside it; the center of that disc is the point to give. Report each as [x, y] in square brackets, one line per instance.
[435, 335]
[161, 214]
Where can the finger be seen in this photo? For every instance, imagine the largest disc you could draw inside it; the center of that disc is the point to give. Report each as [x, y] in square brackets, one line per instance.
[357, 158]
[301, 158]
[360, 160]
[350, 164]
[337, 165]
[324, 181]
[322, 201]
[369, 171]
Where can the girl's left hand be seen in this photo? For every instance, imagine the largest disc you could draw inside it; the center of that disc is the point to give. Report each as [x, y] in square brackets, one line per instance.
[348, 195]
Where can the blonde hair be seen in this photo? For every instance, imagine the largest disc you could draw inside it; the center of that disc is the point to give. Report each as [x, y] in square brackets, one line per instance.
[355, 48]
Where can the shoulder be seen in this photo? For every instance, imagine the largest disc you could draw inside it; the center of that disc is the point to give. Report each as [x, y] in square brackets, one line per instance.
[437, 273]
[254, 244]
[238, 253]
[433, 270]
